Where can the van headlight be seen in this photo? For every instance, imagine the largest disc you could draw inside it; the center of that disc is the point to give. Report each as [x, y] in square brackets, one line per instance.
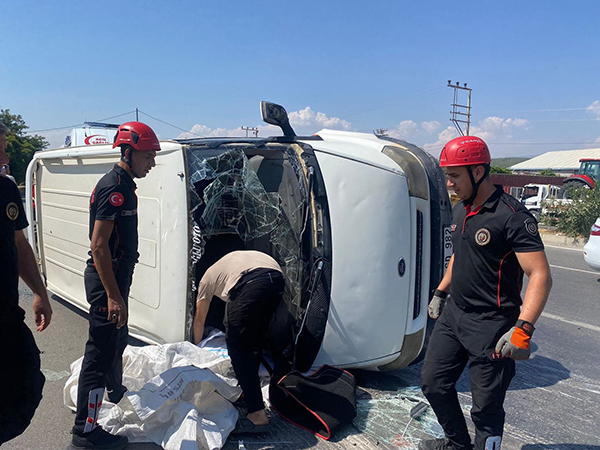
[418, 183]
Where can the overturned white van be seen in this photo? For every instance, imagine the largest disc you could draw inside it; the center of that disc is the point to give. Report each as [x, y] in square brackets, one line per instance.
[358, 222]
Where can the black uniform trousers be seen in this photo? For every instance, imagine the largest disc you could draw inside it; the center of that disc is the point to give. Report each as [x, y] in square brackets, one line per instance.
[21, 381]
[102, 365]
[251, 306]
[459, 337]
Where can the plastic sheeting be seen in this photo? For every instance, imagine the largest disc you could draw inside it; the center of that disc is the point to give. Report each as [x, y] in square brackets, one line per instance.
[179, 396]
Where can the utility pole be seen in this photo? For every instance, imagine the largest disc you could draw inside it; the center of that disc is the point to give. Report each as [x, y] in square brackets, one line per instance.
[136, 115]
[253, 130]
[460, 112]
[380, 132]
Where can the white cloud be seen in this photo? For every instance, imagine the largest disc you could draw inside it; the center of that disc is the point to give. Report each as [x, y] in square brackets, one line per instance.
[304, 122]
[404, 129]
[307, 118]
[594, 108]
[517, 122]
[444, 136]
[200, 130]
[431, 127]
[489, 129]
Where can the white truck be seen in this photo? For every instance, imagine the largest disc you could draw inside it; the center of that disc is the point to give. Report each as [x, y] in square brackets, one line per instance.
[534, 195]
[359, 223]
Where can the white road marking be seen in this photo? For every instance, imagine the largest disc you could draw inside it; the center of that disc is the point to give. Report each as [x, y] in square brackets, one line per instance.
[572, 322]
[565, 248]
[575, 270]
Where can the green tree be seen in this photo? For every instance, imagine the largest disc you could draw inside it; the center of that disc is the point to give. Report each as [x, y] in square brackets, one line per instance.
[21, 146]
[576, 216]
[547, 172]
[500, 170]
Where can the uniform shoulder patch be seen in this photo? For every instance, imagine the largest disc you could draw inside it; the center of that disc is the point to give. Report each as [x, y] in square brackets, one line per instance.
[531, 226]
[116, 199]
[12, 211]
[483, 236]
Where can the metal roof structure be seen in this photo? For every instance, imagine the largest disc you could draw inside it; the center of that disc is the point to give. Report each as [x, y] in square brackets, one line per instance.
[564, 160]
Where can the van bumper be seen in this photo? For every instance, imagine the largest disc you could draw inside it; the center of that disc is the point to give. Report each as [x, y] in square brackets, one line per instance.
[411, 347]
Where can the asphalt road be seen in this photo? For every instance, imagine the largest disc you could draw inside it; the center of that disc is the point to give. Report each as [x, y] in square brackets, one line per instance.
[553, 402]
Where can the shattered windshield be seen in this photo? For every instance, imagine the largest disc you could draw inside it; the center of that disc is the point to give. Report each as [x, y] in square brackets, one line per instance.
[233, 198]
[261, 198]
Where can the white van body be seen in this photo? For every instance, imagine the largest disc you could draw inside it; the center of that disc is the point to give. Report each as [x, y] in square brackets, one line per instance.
[91, 133]
[377, 219]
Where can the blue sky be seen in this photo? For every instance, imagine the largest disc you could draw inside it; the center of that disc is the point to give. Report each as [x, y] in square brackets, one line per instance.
[534, 67]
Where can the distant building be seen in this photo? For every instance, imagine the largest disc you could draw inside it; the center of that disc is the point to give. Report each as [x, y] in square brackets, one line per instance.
[564, 162]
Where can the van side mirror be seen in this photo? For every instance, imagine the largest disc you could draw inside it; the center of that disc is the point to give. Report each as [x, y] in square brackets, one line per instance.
[275, 114]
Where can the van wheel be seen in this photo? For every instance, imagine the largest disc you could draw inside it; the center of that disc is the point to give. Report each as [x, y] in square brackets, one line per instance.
[535, 214]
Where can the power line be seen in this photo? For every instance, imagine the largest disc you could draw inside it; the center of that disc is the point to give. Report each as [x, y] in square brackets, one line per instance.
[53, 129]
[562, 120]
[114, 117]
[546, 110]
[77, 124]
[170, 124]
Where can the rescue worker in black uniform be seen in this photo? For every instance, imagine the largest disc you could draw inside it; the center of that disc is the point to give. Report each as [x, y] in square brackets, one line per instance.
[481, 318]
[251, 283]
[21, 381]
[107, 278]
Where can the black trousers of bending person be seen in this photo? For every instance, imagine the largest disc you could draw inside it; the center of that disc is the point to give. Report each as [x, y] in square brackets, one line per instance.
[102, 365]
[459, 337]
[252, 304]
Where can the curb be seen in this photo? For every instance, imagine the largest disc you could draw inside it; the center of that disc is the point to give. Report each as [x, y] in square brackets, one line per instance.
[562, 241]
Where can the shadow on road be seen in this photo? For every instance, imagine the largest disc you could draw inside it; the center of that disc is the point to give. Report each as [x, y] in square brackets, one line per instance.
[132, 341]
[538, 371]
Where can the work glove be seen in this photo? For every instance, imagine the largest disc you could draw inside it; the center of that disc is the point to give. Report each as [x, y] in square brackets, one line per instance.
[515, 343]
[437, 303]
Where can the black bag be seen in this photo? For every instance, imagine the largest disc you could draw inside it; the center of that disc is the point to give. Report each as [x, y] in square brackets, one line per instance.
[320, 402]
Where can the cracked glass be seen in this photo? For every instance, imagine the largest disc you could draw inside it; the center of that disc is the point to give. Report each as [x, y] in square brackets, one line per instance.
[262, 199]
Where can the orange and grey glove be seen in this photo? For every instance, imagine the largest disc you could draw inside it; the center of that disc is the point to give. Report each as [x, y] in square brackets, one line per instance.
[515, 343]
[437, 303]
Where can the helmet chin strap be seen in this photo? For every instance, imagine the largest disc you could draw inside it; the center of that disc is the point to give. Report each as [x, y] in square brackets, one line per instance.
[127, 161]
[476, 184]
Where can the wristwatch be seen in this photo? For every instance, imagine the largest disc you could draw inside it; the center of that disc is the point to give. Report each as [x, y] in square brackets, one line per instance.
[527, 327]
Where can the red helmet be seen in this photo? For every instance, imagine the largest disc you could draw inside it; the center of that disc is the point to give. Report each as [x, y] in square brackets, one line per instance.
[137, 134]
[465, 151]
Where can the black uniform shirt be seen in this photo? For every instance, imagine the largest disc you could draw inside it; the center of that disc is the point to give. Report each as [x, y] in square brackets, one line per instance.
[114, 199]
[486, 274]
[12, 218]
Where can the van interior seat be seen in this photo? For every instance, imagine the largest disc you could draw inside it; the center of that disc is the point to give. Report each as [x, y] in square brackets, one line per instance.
[277, 175]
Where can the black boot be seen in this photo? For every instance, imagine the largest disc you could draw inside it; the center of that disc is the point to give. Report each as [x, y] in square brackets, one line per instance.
[98, 439]
[441, 444]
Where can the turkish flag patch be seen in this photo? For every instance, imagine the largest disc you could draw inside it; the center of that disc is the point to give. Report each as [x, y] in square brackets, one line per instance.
[116, 199]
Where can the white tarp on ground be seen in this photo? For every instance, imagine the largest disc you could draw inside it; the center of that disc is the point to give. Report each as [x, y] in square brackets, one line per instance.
[179, 395]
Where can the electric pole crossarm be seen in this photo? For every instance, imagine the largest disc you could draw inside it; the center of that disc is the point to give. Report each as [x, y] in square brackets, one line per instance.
[459, 110]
